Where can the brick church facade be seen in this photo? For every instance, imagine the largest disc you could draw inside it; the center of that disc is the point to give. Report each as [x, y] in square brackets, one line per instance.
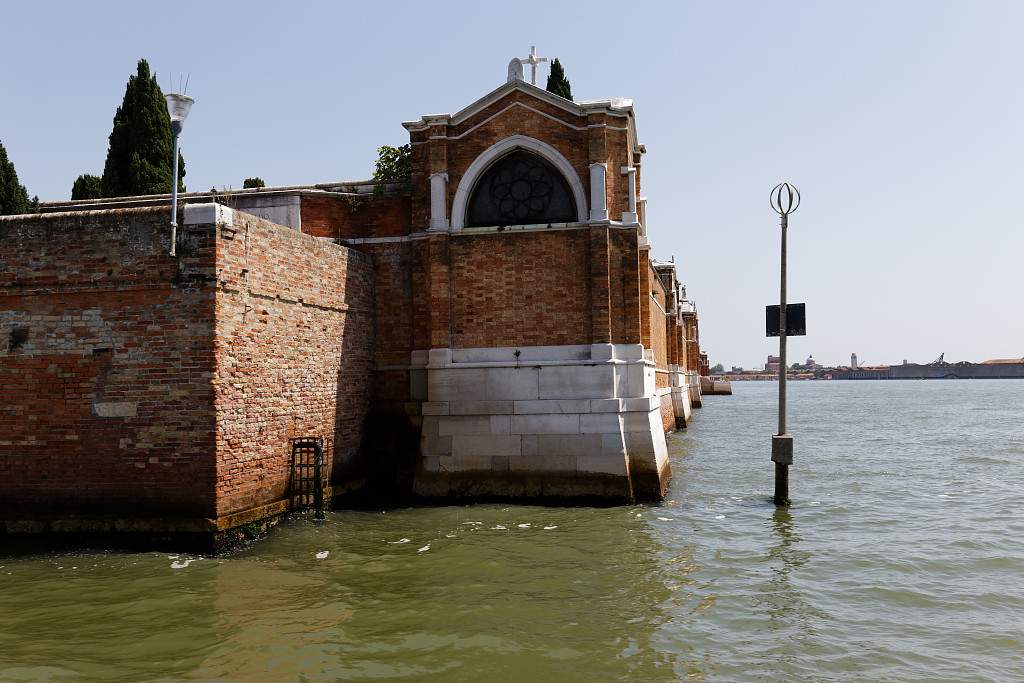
[496, 328]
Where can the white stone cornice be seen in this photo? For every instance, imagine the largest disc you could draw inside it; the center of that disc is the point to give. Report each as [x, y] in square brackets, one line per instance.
[621, 107]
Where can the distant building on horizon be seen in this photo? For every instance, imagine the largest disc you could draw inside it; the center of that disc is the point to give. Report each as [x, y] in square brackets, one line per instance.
[853, 361]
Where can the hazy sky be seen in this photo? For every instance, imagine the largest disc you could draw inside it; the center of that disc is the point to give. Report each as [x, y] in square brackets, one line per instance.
[900, 122]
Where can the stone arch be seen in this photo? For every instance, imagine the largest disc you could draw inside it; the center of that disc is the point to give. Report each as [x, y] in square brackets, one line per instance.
[480, 165]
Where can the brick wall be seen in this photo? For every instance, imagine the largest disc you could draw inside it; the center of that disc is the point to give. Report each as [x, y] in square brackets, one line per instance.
[370, 215]
[526, 289]
[294, 345]
[106, 355]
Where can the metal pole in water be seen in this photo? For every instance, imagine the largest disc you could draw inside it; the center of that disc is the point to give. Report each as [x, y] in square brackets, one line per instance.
[784, 200]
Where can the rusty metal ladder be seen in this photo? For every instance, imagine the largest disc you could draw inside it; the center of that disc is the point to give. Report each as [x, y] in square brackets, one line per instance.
[309, 459]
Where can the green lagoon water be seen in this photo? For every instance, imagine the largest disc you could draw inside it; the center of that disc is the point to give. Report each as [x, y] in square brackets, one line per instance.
[902, 559]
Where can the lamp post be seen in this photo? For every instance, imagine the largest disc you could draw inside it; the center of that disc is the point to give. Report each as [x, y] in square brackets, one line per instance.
[178, 106]
[785, 199]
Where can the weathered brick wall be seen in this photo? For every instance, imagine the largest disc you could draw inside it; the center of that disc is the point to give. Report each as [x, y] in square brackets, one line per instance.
[370, 215]
[294, 347]
[393, 309]
[658, 327]
[106, 355]
[526, 289]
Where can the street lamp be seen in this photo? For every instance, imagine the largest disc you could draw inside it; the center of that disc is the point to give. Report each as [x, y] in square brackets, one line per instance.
[178, 106]
[785, 199]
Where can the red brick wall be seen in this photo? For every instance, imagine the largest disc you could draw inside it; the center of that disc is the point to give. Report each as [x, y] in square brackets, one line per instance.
[294, 345]
[114, 324]
[656, 323]
[668, 414]
[372, 215]
[525, 289]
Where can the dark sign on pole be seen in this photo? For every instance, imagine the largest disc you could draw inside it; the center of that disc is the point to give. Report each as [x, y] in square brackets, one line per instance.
[796, 320]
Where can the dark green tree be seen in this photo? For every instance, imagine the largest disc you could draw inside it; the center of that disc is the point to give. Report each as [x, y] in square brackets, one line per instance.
[253, 182]
[13, 197]
[557, 82]
[87, 186]
[140, 156]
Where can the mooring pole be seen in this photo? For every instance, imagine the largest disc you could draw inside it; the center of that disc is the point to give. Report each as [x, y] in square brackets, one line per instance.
[782, 468]
[784, 199]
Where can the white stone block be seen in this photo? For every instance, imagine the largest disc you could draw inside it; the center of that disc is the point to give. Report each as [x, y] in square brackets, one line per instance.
[510, 384]
[439, 358]
[474, 462]
[639, 381]
[605, 405]
[569, 444]
[640, 443]
[601, 423]
[545, 424]
[450, 384]
[601, 464]
[466, 444]
[577, 381]
[555, 405]
[642, 422]
[530, 444]
[501, 424]
[481, 408]
[645, 404]
[464, 424]
[209, 213]
[629, 351]
[542, 463]
[434, 408]
[430, 425]
[613, 444]
[602, 352]
[527, 354]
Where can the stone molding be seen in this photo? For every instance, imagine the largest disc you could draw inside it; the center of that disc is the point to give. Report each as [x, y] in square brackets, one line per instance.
[498, 150]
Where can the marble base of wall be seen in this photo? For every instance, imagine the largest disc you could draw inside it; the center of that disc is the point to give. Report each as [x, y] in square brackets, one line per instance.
[693, 380]
[680, 396]
[557, 422]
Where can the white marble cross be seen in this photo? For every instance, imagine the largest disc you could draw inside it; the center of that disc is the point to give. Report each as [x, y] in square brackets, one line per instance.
[533, 60]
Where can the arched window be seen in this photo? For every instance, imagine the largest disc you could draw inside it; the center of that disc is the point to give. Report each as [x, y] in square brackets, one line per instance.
[520, 188]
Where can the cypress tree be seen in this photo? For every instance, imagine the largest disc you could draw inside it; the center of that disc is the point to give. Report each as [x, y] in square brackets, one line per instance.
[140, 155]
[13, 197]
[87, 187]
[557, 82]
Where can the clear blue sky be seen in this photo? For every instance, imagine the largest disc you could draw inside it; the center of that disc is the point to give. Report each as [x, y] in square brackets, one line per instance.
[901, 123]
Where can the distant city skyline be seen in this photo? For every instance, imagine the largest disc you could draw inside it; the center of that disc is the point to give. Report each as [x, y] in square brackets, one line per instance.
[899, 122]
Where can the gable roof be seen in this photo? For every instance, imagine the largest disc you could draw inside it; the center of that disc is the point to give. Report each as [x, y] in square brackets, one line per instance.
[617, 106]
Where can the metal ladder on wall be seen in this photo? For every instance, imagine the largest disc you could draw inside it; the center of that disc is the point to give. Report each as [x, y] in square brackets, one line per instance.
[309, 460]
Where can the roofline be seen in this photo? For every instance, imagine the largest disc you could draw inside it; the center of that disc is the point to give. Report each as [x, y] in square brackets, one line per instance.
[614, 107]
[354, 187]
